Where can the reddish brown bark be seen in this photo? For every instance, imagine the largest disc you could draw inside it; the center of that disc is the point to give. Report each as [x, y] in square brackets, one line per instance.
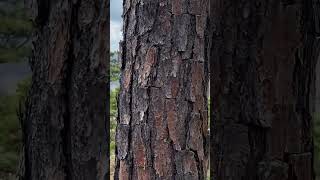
[162, 124]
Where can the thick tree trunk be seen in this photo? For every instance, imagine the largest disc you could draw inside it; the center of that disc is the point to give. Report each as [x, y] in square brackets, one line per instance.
[162, 124]
[262, 61]
[64, 125]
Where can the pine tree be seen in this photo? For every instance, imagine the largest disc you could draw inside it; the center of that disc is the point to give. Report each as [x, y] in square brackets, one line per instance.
[65, 125]
[262, 64]
[162, 126]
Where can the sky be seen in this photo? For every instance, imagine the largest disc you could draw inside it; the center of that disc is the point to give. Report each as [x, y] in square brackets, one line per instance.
[115, 24]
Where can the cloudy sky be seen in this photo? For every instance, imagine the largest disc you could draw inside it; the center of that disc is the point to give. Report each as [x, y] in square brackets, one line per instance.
[115, 24]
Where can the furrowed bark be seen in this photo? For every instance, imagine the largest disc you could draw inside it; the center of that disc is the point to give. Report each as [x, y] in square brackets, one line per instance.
[162, 124]
[262, 62]
[65, 133]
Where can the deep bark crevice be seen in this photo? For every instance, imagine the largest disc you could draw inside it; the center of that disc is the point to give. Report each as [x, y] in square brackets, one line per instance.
[43, 13]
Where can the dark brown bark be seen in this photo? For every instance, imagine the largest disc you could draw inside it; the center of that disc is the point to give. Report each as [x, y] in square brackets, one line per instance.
[64, 124]
[262, 62]
[162, 124]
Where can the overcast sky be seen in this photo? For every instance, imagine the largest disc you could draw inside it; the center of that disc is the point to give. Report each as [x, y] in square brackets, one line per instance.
[115, 24]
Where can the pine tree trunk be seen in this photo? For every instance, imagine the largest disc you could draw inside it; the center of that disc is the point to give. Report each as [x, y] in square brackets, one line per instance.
[262, 62]
[162, 124]
[64, 124]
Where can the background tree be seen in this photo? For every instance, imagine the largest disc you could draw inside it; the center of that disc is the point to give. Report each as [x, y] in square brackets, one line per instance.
[263, 56]
[64, 124]
[15, 32]
[162, 124]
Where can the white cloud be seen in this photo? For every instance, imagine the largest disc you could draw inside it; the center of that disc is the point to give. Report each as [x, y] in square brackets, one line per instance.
[115, 24]
[115, 34]
[116, 10]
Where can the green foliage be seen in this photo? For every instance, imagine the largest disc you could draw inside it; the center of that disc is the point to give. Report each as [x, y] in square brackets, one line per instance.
[114, 67]
[113, 124]
[23, 88]
[15, 26]
[13, 8]
[113, 118]
[317, 143]
[112, 54]
[10, 131]
[13, 55]
[114, 71]
[13, 19]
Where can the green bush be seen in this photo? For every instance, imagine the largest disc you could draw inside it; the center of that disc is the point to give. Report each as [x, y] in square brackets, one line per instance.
[14, 55]
[14, 8]
[15, 26]
[113, 124]
[317, 143]
[10, 131]
[114, 71]
[113, 118]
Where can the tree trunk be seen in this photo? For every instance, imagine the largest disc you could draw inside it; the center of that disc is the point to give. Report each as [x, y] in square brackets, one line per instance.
[262, 62]
[64, 124]
[162, 124]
